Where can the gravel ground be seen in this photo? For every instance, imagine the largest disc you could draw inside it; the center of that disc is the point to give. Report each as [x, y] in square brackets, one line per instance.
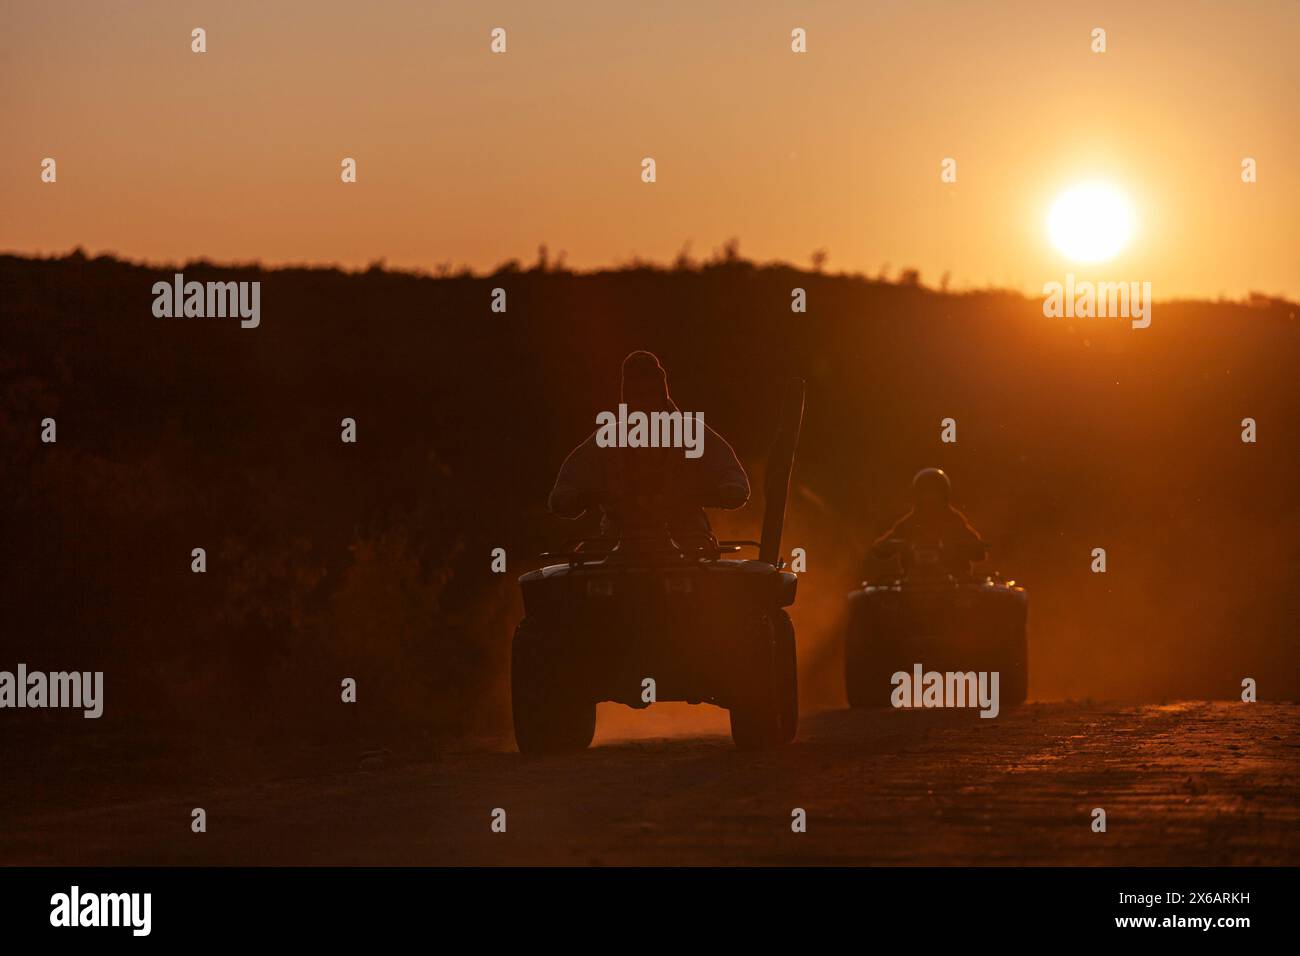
[1188, 783]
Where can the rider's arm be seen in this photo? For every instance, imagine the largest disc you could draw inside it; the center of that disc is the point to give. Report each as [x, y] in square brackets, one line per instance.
[967, 542]
[889, 543]
[726, 485]
[884, 548]
[577, 486]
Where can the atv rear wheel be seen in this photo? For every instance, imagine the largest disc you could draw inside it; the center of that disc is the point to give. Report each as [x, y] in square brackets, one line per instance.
[787, 660]
[1014, 679]
[867, 670]
[550, 714]
[758, 710]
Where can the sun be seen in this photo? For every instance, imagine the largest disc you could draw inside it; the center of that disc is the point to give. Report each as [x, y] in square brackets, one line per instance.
[1090, 222]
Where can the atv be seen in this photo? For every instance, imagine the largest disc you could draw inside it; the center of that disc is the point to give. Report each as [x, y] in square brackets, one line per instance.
[653, 618]
[945, 620]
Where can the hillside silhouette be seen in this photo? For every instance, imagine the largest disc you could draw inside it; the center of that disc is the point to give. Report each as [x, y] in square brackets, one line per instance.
[328, 560]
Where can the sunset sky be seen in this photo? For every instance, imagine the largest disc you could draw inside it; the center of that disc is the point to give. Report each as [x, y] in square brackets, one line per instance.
[466, 157]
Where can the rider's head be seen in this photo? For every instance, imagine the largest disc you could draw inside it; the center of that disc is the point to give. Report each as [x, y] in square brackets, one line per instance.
[645, 384]
[930, 489]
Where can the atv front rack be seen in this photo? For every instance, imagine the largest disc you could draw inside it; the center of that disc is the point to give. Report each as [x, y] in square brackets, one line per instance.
[668, 550]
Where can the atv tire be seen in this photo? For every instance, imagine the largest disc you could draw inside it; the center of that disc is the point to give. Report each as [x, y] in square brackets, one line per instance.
[867, 669]
[1014, 689]
[551, 715]
[760, 707]
[787, 659]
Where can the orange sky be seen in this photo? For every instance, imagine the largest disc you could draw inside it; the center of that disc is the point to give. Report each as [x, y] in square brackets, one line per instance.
[469, 157]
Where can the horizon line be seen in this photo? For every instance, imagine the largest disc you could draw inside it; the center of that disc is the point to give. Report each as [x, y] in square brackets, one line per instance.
[907, 277]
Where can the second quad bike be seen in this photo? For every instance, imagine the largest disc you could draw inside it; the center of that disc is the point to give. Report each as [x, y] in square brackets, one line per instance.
[946, 621]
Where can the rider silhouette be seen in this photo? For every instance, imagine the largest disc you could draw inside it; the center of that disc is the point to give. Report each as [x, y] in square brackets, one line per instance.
[933, 532]
[643, 491]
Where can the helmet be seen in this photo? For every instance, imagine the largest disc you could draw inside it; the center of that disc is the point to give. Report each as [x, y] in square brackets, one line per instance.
[645, 383]
[931, 483]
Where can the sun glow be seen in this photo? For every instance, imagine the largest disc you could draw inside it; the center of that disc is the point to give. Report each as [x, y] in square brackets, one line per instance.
[1091, 222]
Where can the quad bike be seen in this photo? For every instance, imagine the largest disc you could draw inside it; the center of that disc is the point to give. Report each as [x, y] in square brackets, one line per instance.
[945, 620]
[683, 617]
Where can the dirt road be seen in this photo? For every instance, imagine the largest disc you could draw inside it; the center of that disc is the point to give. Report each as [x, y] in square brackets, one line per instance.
[1183, 784]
